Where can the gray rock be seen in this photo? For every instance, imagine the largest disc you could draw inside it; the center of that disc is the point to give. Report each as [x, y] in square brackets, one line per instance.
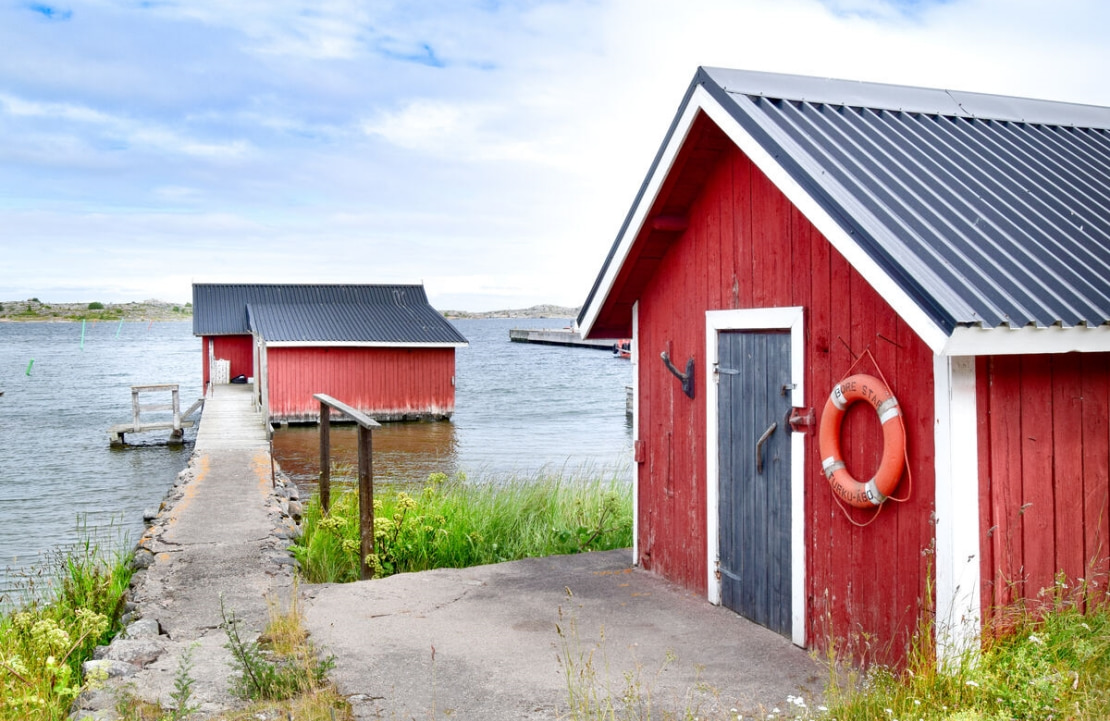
[142, 628]
[98, 699]
[107, 668]
[138, 651]
[292, 493]
[143, 559]
[295, 510]
[150, 514]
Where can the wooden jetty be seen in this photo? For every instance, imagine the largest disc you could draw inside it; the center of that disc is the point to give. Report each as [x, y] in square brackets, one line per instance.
[176, 425]
[558, 336]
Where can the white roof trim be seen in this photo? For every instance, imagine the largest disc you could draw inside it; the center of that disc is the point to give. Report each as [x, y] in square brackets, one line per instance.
[975, 341]
[963, 341]
[354, 344]
[933, 335]
[646, 201]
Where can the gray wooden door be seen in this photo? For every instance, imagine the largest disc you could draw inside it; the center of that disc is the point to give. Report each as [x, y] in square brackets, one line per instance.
[754, 481]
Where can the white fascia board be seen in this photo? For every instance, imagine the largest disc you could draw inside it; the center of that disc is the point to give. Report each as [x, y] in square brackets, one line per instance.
[639, 215]
[976, 341]
[792, 320]
[958, 556]
[635, 357]
[356, 344]
[933, 335]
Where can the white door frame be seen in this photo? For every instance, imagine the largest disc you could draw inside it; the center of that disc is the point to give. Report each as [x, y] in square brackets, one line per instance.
[790, 319]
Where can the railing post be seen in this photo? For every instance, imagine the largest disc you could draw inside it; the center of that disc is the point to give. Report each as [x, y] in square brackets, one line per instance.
[325, 457]
[365, 500]
[135, 409]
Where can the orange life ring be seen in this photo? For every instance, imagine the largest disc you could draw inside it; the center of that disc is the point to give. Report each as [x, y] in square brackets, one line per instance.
[845, 393]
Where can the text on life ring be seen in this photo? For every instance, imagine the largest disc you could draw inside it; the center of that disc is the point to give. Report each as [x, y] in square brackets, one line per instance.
[877, 489]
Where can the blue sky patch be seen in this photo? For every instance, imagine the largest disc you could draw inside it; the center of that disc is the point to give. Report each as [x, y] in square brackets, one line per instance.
[879, 9]
[49, 12]
[422, 55]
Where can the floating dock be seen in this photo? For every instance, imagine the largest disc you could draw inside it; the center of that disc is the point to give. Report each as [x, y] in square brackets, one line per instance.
[176, 425]
[558, 336]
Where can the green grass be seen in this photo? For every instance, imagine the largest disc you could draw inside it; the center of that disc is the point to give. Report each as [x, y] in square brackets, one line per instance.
[1035, 663]
[44, 642]
[455, 523]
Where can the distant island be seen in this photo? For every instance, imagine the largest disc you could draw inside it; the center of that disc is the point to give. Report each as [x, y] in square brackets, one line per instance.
[33, 309]
[536, 311]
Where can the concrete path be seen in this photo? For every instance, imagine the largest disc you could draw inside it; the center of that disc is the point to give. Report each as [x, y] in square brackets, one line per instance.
[216, 544]
[508, 641]
[503, 635]
[221, 536]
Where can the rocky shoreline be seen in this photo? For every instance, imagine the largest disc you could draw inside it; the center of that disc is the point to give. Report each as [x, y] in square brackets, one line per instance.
[145, 641]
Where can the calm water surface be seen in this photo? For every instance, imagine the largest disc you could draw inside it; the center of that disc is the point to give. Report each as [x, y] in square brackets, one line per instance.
[520, 409]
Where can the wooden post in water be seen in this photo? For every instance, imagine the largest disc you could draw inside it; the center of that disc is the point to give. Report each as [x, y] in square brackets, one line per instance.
[325, 457]
[365, 500]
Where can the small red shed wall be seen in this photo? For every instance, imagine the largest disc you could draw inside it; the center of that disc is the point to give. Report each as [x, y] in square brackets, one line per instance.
[239, 349]
[386, 383]
[748, 247]
[1044, 462]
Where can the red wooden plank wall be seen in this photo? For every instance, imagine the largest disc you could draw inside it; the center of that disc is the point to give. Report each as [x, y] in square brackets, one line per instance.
[1044, 481]
[748, 247]
[239, 349]
[386, 383]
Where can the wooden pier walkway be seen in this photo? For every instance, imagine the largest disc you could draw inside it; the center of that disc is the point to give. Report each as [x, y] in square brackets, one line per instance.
[558, 336]
[231, 421]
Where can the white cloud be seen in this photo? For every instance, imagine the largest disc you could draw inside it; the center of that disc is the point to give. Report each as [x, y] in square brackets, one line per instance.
[490, 149]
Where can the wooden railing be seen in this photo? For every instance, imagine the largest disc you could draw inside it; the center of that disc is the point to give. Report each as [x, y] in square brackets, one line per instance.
[366, 425]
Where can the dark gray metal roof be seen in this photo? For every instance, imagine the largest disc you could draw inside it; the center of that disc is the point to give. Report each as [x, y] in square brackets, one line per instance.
[352, 323]
[306, 313]
[986, 210]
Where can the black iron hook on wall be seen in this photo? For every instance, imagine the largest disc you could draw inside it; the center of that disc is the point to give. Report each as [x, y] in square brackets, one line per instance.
[687, 378]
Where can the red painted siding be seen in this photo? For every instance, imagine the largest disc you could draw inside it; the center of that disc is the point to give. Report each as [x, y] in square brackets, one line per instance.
[747, 247]
[1044, 488]
[239, 349]
[386, 383]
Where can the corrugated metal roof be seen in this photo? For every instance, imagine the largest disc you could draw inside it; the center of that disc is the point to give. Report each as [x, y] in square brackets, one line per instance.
[340, 313]
[352, 323]
[987, 210]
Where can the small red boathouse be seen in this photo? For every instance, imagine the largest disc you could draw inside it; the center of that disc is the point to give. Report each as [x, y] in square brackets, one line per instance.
[382, 349]
[794, 231]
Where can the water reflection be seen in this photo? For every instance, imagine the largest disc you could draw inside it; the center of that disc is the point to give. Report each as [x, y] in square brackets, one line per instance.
[404, 453]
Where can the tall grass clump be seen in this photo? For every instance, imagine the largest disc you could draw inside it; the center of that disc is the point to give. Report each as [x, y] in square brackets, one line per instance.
[1034, 663]
[455, 523]
[44, 642]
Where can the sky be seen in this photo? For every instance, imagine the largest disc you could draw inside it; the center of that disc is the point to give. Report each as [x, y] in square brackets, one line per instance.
[489, 149]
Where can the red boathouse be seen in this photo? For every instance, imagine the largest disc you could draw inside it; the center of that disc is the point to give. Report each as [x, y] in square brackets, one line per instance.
[380, 348]
[794, 231]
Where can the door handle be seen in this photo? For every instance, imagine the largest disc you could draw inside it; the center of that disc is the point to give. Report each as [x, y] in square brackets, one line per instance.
[759, 447]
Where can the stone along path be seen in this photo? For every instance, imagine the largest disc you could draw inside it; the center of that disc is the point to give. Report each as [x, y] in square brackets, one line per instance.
[220, 537]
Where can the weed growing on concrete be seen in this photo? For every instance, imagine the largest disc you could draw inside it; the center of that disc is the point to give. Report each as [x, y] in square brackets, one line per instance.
[591, 695]
[183, 687]
[456, 523]
[263, 674]
[44, 642]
